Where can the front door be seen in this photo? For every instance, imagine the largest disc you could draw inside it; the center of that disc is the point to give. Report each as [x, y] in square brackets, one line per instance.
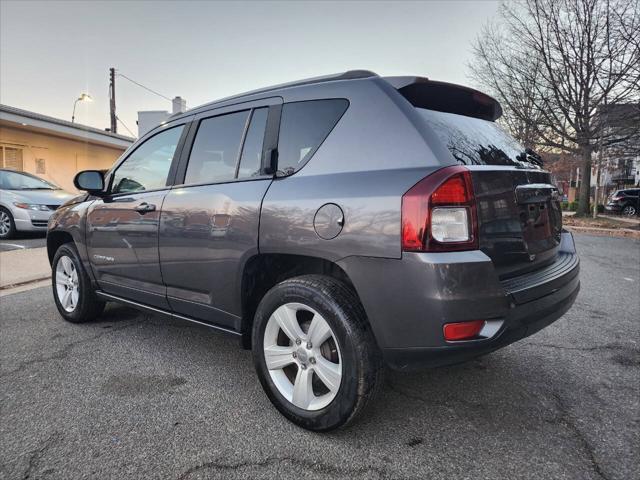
[209, 224]
[122, 227]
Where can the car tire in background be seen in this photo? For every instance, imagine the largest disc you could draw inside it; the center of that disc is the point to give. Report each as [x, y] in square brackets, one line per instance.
[7, 225]
[72, 290]
[321, 386]
[629, 210]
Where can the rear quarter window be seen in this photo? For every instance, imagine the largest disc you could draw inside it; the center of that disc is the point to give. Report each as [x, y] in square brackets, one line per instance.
[303, 128]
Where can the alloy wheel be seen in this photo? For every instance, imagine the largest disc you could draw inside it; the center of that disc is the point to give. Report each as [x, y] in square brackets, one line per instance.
[67, 286]
[302, 355]
[5, 223]
[629, 210]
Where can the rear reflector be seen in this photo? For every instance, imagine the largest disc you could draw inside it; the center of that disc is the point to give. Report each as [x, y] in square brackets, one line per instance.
[462, 330]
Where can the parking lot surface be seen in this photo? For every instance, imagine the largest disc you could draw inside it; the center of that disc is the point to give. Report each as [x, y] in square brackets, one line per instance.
[24, 241]
[135, 396]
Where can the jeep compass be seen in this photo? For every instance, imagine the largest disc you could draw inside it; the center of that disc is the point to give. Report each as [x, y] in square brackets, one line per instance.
[335, 225]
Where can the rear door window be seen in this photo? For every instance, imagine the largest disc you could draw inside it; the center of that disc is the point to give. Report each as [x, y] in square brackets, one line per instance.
[303, 128]
[214, 155]
[251, 160]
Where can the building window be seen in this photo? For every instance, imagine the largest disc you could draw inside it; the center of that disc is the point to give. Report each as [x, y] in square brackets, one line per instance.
[41, 165]
[12, 158]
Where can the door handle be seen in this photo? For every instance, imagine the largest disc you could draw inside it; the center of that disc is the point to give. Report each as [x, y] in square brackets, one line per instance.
[145, 207]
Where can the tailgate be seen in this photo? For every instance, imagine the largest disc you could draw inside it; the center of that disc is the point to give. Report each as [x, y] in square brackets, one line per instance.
[519, 218]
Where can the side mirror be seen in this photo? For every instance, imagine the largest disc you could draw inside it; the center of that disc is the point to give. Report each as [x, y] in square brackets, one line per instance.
[91, 181]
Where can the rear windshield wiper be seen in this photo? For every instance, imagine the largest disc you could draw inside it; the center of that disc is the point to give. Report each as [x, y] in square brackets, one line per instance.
[530, 156]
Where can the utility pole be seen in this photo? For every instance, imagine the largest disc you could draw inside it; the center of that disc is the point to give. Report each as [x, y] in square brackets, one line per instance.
[112, 99]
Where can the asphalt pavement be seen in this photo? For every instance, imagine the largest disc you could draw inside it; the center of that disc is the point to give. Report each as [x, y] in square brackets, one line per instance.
[24, 241]
[135, 396]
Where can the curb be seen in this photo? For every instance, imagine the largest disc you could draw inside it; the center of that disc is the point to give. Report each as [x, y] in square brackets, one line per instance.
[609, 232]
[25, 287]
[22, 284]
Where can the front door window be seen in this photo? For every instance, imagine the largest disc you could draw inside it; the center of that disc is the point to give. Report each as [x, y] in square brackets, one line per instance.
[148, 166]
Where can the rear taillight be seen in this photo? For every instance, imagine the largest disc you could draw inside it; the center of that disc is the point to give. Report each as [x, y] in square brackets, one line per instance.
[439, 213]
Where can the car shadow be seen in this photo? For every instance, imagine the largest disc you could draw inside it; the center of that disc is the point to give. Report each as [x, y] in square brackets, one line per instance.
[483, 392]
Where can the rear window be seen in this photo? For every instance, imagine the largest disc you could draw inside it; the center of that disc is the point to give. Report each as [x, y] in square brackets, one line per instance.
[303, 128]
[473, 141]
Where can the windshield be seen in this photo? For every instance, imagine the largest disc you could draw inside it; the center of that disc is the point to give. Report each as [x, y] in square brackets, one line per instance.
[20, 181]
[473, 141]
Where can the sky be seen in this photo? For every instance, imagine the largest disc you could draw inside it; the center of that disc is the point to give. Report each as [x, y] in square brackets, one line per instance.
[51, 52]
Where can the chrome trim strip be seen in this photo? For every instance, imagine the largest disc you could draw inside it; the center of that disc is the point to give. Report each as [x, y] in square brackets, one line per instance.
[141, 306]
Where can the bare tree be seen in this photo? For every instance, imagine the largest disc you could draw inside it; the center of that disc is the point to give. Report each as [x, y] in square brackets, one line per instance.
[554, 64]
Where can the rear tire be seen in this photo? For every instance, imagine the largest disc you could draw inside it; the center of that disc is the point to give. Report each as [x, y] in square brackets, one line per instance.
[339, 374]
[7, 225]
[72, 290]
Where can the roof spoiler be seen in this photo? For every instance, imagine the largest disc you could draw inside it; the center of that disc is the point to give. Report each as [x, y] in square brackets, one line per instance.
[446, 97]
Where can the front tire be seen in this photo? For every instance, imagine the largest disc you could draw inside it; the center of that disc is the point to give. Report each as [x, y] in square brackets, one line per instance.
[7, 224]
[629, 210]
[314, 352]
[72, 291]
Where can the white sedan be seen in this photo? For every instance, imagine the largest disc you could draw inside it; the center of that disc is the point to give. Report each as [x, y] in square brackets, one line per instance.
[27, 202]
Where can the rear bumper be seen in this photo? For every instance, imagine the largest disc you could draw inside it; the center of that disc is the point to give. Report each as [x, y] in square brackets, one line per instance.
[522, 321]
[613, 207]
[422, 292]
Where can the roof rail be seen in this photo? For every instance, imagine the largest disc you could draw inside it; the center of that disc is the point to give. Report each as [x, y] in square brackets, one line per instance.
[348, 75]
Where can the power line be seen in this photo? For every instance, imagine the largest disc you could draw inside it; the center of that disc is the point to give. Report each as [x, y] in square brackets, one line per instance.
[142, 86]
[125, 126]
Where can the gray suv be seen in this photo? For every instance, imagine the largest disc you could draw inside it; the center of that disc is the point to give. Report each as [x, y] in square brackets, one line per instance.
[334, 226]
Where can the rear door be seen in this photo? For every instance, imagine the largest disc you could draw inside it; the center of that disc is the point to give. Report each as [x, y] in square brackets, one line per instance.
[122, 227]
[210, 218]
[519, 217]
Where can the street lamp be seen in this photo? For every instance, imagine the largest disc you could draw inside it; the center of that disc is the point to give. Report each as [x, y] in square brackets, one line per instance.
[84, 97]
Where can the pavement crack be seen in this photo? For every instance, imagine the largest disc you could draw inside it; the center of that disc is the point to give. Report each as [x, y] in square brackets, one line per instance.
[565, 418]
[330, 470]
[595, 348]
[431, 402]
[36, 455]
[64, 351]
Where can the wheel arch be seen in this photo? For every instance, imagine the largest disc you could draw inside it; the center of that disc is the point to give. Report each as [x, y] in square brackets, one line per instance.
[55, 240]
[263, 271]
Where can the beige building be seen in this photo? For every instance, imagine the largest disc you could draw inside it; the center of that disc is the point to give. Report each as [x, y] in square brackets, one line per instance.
[55, 149]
